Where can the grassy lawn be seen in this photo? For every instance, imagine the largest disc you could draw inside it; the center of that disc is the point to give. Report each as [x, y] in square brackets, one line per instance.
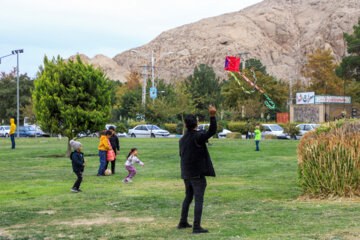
[254, 196]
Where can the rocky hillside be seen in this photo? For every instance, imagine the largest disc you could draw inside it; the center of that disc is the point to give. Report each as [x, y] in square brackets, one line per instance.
[278, 32]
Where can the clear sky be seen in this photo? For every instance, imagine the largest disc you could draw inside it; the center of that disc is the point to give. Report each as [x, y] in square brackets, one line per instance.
[67, 27]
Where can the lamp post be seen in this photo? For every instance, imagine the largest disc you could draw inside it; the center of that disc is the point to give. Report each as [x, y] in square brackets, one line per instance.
[17, 86]
[17, 91]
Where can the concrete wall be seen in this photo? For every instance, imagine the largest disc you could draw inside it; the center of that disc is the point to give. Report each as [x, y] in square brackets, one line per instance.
[318, 112]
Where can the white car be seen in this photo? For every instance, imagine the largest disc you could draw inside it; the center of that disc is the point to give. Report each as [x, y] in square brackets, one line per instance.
[223, 133]
[145, 131]
[4, 131]
[276, 130]
[304, 128]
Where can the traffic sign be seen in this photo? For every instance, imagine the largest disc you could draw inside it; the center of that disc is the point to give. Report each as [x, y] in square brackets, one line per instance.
[153, 92]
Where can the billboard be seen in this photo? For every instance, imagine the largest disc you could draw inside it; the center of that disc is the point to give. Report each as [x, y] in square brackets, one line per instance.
[305, 98]
[332, 99]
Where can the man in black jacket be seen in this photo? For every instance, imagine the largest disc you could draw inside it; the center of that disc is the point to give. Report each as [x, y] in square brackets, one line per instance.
[195, 165]
[114, 141]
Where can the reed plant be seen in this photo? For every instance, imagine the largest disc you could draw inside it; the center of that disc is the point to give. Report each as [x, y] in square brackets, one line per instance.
[329, 160]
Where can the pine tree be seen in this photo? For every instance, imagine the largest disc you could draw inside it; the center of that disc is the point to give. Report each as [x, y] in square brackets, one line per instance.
[71, 98]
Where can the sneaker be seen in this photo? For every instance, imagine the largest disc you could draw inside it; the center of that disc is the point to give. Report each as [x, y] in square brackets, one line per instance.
[129, 180]
[124, 181]
[74, 190]
[200, 230]
[184, 225]
[100, 175]
[79, 190]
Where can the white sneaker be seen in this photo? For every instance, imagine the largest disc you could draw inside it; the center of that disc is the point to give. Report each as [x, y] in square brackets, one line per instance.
[129, 180]
[124, 181]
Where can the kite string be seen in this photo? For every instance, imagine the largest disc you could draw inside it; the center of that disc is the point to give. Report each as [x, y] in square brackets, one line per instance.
[268, 102]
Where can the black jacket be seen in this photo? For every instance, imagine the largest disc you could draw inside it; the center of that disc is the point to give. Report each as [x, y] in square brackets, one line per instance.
[195, 158]
[77, 159]
[114, 141]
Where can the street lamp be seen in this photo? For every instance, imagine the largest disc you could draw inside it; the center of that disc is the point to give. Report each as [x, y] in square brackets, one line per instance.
[17, 91]
[17, 88]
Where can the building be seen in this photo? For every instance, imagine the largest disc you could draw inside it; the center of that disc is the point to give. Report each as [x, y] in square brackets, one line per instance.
[317, 108]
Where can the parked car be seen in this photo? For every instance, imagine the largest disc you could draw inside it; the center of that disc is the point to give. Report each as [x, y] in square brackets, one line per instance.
[122, 134]
[203, 127]
[276, 130]
[223, 133]
[145, 131]
[304, 128]
[107, 126]
[4, 131]
[27, 131]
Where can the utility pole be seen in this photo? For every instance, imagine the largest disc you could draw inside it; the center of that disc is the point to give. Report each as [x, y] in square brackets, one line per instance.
[143, 100]
[242, 56]
[152, 70]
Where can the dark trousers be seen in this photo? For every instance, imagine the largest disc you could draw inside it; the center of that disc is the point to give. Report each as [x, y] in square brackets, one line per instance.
[78, 181]
[193, 187]
[102, 155]
[12, 136]
[257, 145]
[112, 166]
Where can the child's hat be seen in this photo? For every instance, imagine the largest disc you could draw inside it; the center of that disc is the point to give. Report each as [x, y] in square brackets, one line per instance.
[75, 144]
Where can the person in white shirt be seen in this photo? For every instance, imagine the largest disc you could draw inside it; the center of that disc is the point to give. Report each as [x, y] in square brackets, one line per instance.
[129, 165]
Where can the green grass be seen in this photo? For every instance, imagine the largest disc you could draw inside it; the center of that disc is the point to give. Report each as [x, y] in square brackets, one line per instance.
[254, 196]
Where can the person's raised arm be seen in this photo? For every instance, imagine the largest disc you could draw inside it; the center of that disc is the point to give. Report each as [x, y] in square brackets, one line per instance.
[212, 129]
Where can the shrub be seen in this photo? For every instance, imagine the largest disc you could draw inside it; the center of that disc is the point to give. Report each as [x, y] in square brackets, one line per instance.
[291, 129]
[238, 127]
[329, 160]
[171, 127]
[179, 128]
[234, 135]
[120, 127]
[270, 136]
[134, 124]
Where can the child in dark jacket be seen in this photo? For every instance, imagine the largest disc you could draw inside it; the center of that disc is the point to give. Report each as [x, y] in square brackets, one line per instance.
[78, 164]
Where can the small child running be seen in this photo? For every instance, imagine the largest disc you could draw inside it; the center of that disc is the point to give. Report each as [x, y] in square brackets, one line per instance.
[78, 164]
[129, 165]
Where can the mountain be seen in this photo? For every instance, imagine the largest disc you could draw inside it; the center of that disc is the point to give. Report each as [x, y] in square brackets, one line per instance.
[278, 32]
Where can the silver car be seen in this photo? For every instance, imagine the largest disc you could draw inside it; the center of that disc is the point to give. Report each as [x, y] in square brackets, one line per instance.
[306, 127]
[4, 131]
[145, 131]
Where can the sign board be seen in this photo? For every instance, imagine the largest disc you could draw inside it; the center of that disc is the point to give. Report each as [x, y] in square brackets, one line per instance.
[305, 98]
[332, 99]
[153, 92]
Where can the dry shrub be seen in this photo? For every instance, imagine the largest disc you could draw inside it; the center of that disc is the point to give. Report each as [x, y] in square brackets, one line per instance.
[329, 160]
[234, 135]
[270, 136]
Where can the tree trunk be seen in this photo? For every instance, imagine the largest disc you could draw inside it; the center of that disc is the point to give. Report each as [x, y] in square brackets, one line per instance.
[68, 149]
[183, 122]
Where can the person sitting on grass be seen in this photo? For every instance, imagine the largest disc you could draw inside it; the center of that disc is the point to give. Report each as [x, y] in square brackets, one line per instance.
[78, 164]
[103, 148]
[129, 165]
[257, 137]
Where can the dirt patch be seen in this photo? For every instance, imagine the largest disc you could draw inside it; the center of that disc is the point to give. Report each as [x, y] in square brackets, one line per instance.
[4, 233]
[102, 221]
[49, 212]
[330, 199]
[344, 235]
